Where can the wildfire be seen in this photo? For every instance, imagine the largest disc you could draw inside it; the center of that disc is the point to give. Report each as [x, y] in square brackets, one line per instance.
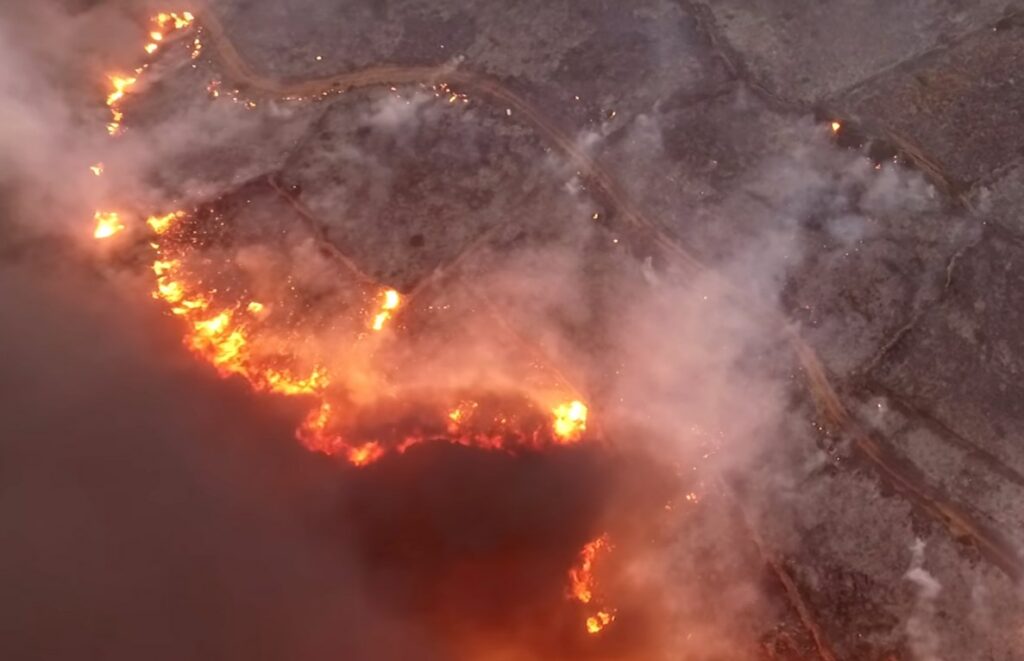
[120, 85]
[365, 454]
[570, 421]
[582, 582]
[164, 23]
[835, 126]
[179, 21]
[223, 335]
[599, 621]
[230, 330]
[389, 304]
[160, 224]
[96, 169]
[458, 416]
[108, 223]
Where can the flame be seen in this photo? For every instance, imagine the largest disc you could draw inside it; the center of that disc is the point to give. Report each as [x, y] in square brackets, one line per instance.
[114, 125]
[365, 454]
[459, 415]
[387, 308]
[582, 582]
[223, 335]
[582, 577]
[108, 223]
[96, 169]
[231, 335]
[570, 421]
[120, 85]
[160, 224]
[599, 621]
[179, 21]
[835, 126]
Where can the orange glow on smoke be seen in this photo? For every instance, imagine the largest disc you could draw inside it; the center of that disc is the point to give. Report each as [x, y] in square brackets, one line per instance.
[582, 582]
[108, 223]
[570, 421]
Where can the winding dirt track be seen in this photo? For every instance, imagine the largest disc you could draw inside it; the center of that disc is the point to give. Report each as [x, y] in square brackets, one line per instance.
[957, 520]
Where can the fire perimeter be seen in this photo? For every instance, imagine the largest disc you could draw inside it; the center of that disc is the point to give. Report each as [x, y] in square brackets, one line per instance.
[236, 335]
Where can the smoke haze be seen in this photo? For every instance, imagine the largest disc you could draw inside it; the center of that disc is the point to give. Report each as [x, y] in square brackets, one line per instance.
[157, 511]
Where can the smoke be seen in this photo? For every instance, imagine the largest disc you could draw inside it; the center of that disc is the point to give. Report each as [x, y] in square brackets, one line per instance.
[924, 641]
[161, 512]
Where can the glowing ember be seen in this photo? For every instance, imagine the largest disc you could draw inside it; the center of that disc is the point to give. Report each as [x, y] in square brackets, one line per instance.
[108, 223]
[387, 309]
[582, 582]
[570, 421]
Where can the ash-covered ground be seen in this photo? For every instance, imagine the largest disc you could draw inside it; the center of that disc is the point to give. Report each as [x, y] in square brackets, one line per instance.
[648, 200]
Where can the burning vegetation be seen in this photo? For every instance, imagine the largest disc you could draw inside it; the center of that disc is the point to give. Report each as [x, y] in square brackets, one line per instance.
[582, 583]
[242, 333]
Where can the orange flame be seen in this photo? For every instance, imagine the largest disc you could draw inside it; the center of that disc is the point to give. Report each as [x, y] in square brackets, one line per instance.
[179, 21]
[387, 308]
[366, 453]
[108, 223]
[120, 85]
[161, 224]
[599, 621]
[222, 336]
[570, 421]
[228, 335]
[582, 582]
